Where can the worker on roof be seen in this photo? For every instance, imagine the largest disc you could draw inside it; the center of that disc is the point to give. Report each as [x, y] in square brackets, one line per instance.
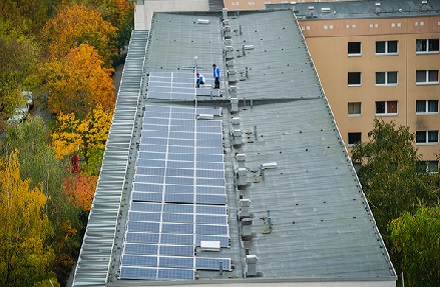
[200, 80]
[216, 75]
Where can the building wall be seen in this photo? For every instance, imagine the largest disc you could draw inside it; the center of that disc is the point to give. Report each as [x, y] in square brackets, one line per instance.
[333, 65]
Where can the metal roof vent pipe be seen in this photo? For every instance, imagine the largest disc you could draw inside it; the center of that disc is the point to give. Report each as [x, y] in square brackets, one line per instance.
[225, 13]
[244, 208]
[234, 104]
[238, 137]
[378, 7]
[241, 159]
[233, 94]
[242, 176]
[251, 265]
[229, 52]
[246, 229]
[227, 32]
[235, 121]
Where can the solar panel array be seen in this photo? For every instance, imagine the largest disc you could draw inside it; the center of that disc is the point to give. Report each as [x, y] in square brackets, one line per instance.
[171, 86]
[178, 196]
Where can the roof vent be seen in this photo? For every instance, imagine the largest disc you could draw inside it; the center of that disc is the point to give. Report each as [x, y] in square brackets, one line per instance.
[244, 206]
[228, 42]
[325, 10]
[238, 139]
[235, 121]
[269, 165]
[242, 176]
[226, 22]
[234, 103]
[251, 265]
[241, 159]
[202, 21]
[225, 13]
[378, 9]
[246, 228]
[424, 5]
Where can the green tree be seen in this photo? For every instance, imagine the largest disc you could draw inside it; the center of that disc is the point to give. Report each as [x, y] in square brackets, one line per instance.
[39, 164]
[25, 256]
[389, 173]
[416, 238]
[18, 58]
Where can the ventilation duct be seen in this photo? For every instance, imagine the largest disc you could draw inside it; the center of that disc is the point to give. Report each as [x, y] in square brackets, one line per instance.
[235, 121]
[251, 265]
[246, 228]
[242, 176]
[378, 8]
[229, 53]
[225, 13]
[234, 103]
[202, 21]
[244, 208]
[233, 94]
[241, 159]
[227, 32]
[238, 137]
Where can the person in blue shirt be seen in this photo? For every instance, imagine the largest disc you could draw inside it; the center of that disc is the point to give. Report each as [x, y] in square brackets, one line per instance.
[216, 75]
[200, 80]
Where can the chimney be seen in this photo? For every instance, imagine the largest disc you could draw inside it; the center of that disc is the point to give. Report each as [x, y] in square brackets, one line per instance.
[378, 8]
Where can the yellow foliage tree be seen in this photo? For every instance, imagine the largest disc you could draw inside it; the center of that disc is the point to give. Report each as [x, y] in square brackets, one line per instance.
[24, 254]
[76, 24]
[78, 82]
[86, 136]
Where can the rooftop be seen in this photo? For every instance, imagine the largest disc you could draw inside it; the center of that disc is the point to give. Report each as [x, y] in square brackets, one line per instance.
[363, 9]
[286, 196]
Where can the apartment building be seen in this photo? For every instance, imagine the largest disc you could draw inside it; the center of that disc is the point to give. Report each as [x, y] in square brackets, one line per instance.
[378, 60]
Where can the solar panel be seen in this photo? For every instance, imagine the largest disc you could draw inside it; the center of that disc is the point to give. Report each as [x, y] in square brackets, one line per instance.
[141, 249]
[177, 262]
[177, 250]
[171, 86]
[128, 272]
[180, 160]
[142, 237]
[213, 263]
[139, 260]
[179, 274]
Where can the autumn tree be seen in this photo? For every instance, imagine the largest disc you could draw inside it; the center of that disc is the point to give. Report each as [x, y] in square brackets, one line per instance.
[85, 136]
[416, 238]
[78, 82]
[39, 164]
[80, 189]
[25, 256]
[76, 24]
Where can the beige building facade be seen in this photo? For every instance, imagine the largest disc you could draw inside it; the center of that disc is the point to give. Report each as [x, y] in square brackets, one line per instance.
[380, 68]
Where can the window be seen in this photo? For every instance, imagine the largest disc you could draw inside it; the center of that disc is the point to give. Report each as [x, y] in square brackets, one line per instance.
[427, 107]
[354, 48]
[354, 78]
[386, 108]
[426, 46]
[427, 77]
[386, 47]
[354, 138]
[386, 78]
[426, 137]
[427, 166]
[354, 109]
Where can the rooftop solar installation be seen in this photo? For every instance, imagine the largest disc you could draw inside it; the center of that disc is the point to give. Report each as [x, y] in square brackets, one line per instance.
[178, 193]
[171, 86]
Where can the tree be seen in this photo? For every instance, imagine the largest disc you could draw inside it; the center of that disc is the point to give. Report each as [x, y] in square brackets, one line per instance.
[39, 164]
[389, 173]
[85, 136]
[80, 189]
[416, 238]
[78, 82]
[17, 61]
[25, 255]
[74, 25]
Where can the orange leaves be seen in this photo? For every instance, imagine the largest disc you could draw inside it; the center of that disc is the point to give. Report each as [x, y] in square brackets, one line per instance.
[78, 82]
[80, 189]
[75, 25]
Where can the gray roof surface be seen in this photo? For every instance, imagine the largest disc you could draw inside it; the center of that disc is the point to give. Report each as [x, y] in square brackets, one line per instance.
[367, 9]
[322, 227]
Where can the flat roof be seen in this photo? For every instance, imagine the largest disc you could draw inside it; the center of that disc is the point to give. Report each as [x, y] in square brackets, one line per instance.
[363, 9]
[310, 218]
